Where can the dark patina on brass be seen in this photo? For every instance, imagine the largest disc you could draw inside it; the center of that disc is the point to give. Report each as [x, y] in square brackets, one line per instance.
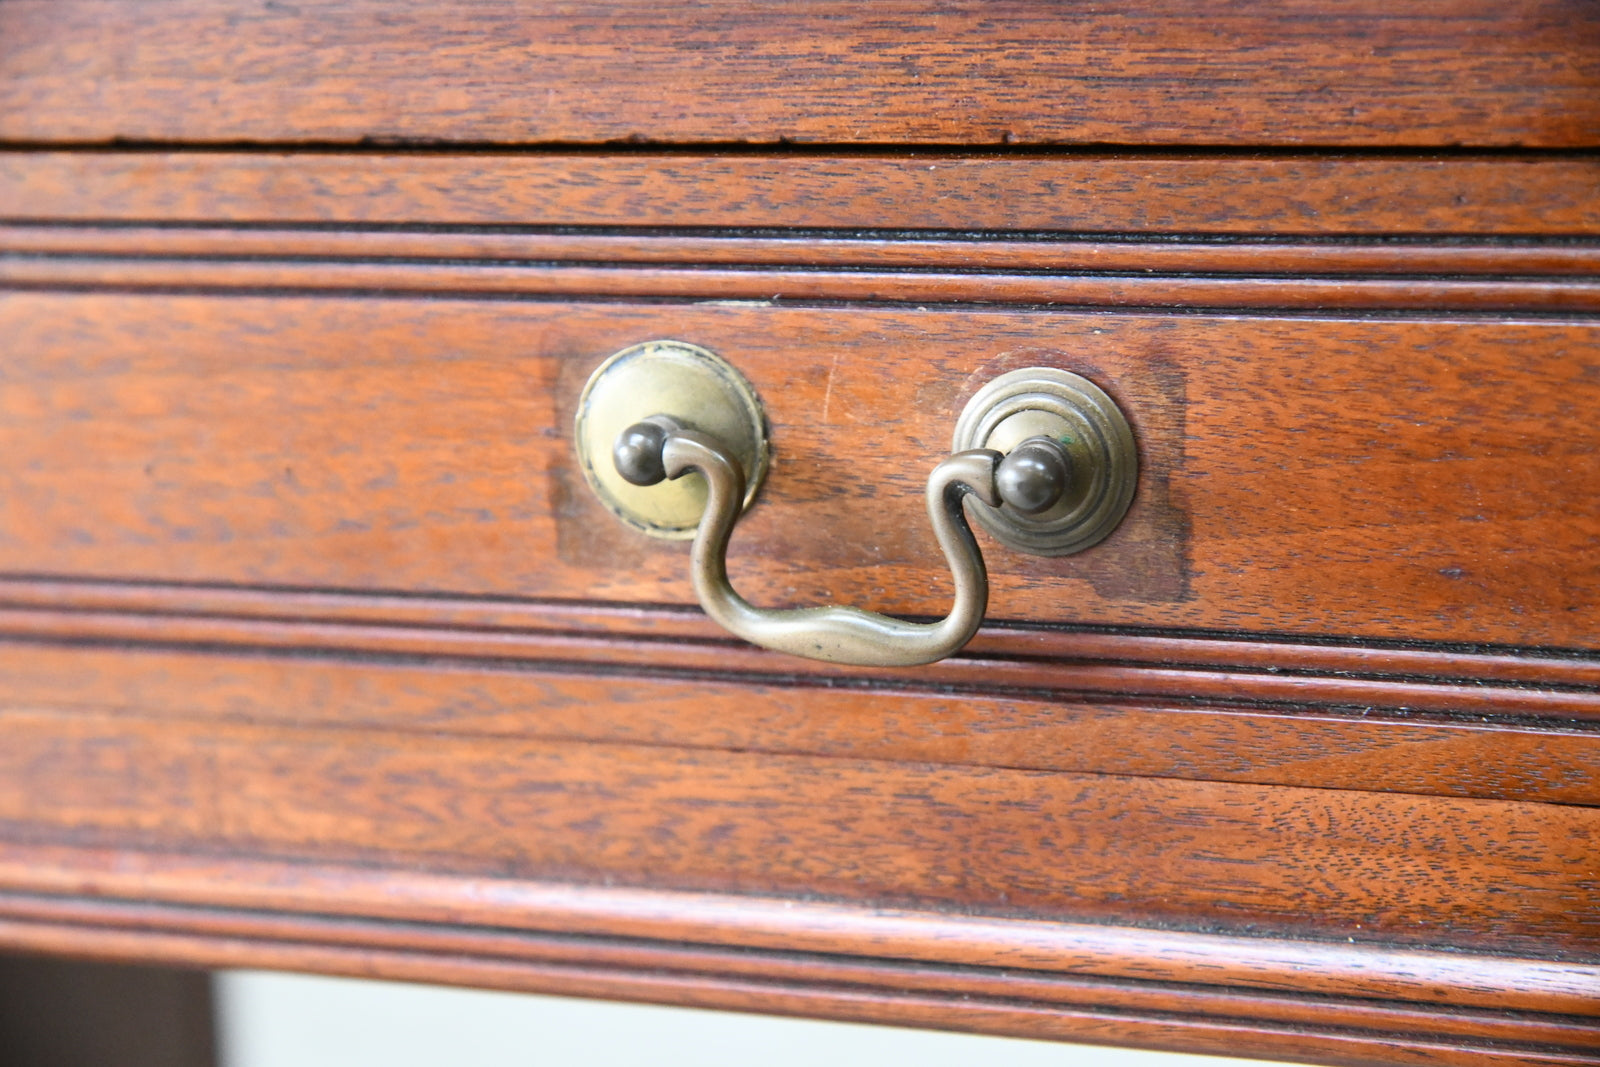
[1058, 462]
[694, 389]
[1018, 409]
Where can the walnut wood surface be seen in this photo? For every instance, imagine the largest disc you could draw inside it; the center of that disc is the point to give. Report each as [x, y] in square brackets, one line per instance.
[1242, 739]
[1273, 859]
[1466, 72]
[1300, 475]
[1326, 195]
[315, 651]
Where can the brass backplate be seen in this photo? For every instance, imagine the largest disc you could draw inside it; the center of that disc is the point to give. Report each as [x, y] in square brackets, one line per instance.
[693, 385]
[1079, 414]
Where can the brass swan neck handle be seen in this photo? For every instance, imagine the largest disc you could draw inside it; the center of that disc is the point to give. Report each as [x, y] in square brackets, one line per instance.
[1046, 457]
[1032, 478]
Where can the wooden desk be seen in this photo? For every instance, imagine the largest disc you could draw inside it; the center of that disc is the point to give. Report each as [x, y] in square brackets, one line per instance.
[319, 654]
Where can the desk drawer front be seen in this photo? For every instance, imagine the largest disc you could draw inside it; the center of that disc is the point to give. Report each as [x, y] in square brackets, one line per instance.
[1400, 478]
[316, 650]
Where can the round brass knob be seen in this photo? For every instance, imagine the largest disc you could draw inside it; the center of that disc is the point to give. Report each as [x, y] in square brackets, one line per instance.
[1068, 409]
[1034, 476]
[637, 450]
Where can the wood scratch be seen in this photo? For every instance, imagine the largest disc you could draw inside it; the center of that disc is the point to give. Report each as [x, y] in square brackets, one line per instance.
[827, 392]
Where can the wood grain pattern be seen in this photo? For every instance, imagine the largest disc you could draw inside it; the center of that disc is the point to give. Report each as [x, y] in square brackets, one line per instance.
[1466, 72]
[315, 651]
[1374, 749]
[1403, 869]
[263, 889]
[1300, 476]
[967, 193]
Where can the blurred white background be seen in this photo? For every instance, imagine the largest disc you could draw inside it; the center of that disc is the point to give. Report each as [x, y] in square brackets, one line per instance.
[283, 1020]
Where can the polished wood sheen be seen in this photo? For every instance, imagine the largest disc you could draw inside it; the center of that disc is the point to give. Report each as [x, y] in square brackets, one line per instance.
[424, 446]
[1463, 72]
[1526, 195]
[507, 245]
[1331, 1002]
[771, 285]
[316, 652]
[1224, 739]
[846, 829]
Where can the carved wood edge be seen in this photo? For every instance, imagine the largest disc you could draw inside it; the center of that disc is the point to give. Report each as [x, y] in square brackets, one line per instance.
[1328, 1002]
[1565, 295]
[1349, 255]
[1511, 684]
[970, 195]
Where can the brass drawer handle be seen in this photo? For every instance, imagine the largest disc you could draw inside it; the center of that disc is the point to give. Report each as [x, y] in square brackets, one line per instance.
[1066, 473]
[1035, 474]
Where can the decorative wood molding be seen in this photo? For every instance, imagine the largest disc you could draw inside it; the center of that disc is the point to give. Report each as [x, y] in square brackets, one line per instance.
[1434, 295]
[1409, 660]
[1328, 1002]
[821, 249]
[1011, 658]
[968, 193]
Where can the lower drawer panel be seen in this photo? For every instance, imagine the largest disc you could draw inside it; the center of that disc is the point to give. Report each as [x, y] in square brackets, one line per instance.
[1060, 845]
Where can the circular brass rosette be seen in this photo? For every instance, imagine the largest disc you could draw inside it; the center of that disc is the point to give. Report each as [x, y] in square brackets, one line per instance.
[1043, 401]
[692, 385]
